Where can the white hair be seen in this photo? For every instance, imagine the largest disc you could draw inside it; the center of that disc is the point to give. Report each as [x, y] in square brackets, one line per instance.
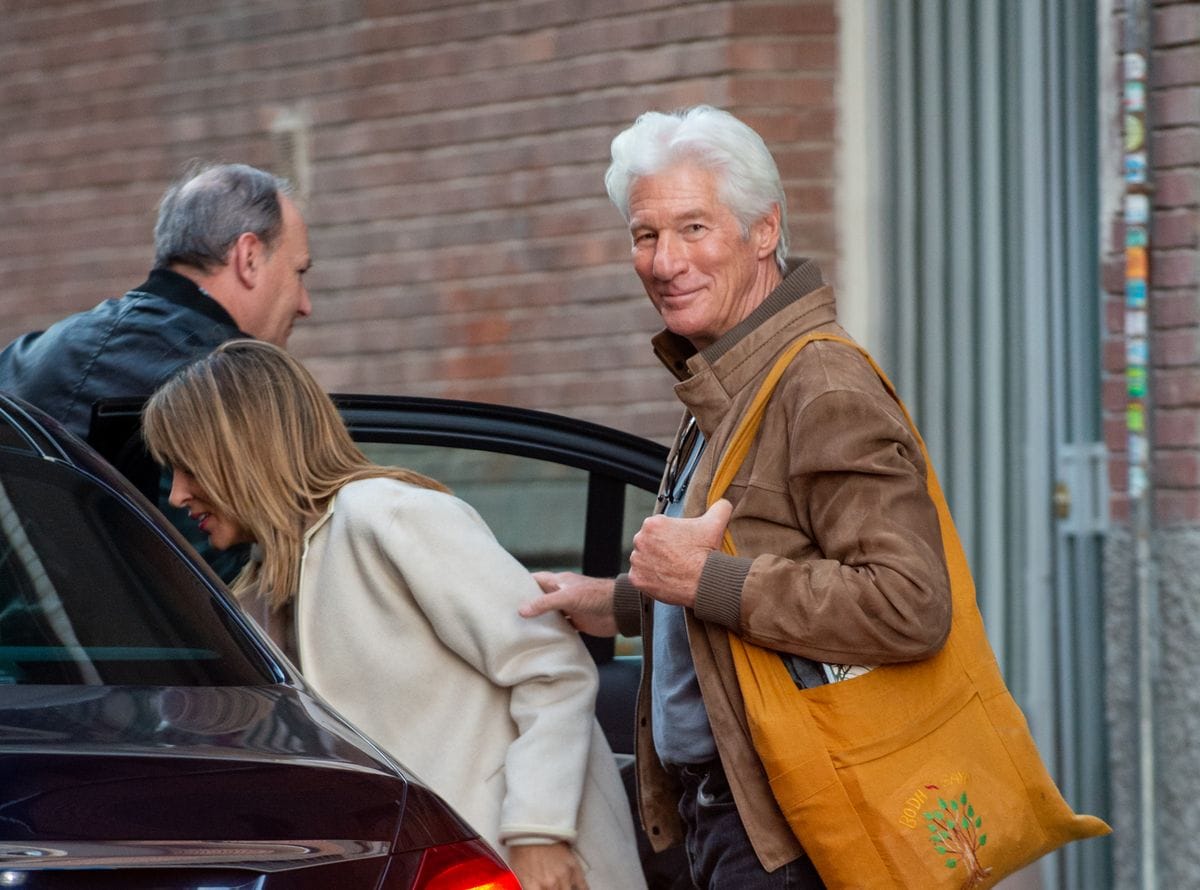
[749, 183]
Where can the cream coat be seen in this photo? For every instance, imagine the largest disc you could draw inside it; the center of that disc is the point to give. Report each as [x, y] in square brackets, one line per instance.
[406, 621]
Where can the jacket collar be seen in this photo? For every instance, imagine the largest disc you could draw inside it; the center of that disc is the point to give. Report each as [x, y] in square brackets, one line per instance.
[710, 378]
[317, 524]
[182, 291]
[803, 276]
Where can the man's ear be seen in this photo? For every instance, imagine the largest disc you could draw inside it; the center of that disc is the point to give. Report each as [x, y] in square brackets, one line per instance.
[766, 233]
[246, 257]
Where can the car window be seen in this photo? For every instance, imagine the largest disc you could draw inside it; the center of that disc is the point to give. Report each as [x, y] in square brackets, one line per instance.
[536, 508]
[91, 593]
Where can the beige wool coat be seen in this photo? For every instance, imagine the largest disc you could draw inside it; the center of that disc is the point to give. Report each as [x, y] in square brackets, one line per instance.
[406, 622]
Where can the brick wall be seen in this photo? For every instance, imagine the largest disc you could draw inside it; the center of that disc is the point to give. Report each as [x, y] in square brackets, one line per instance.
[1173, 111]
[453, 153]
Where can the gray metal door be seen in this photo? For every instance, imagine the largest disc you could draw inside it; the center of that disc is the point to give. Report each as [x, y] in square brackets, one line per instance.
[989, 246]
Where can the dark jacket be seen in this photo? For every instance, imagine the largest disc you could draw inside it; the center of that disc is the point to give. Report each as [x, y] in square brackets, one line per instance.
[840, 547]
[122, 347]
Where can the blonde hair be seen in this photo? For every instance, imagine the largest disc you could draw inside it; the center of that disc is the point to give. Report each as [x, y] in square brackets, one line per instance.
[254, 429]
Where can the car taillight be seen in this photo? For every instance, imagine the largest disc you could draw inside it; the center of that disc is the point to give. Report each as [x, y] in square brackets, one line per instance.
[469, 865]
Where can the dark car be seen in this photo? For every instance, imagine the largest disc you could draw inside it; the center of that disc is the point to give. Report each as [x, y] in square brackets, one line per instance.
[151, 737]
[559, 493]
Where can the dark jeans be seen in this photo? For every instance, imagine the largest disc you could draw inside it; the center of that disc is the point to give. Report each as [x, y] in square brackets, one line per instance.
[718, 850]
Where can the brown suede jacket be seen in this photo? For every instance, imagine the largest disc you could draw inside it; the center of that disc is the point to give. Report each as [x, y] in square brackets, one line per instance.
[840, 553]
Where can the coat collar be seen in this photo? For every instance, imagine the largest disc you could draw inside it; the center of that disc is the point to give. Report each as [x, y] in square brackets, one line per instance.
[710, 378]
[803, 276]
[183, 291]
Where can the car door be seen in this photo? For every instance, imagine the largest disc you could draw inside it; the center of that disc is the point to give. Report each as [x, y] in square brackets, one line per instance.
[560, 494]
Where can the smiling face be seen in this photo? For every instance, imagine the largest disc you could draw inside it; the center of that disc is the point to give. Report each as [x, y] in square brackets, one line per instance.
[699, 270]
[223, 531]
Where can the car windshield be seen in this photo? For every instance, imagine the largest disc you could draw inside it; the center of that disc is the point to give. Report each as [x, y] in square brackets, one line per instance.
[91, 594]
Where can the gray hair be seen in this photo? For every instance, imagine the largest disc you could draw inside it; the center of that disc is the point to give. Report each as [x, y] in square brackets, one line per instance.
[713, 139]
[204, 212]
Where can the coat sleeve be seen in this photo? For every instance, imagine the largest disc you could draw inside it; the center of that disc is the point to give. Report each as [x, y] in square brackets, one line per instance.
[470, 589]
[872, 585]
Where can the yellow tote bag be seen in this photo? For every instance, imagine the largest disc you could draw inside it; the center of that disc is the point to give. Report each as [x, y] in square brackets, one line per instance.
[913, 776]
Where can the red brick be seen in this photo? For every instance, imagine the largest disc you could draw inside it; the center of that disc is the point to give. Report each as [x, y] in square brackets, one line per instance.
[1176, 507]
[1113, 274]
[1175, 268]
[1176, 67]
[1176, 387]
[1176, 469]
[800, 54]
[1114, 316]
[1113, 397]
[1176, 25]
[1115, 434]
[1176, 427]
[1177, 147]
[1177, 106]
[1178, 228]
[785, 18]
[1177, 188]
[1113, 352]
[1118, 474]
[1174, 309]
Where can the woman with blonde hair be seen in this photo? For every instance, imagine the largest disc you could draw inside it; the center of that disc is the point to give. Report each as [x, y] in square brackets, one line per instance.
[405, 613]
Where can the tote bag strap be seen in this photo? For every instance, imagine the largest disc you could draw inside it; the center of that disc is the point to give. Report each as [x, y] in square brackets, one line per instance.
[747, 429]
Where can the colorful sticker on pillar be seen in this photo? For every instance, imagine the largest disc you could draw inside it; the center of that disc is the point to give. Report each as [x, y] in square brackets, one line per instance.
[1136, 236]
[1135, 167]
[1135, 382]
[1135, 66]
[1137, 262]
[1137, 210]
[1135, 132]
[1137, 352]
[1137, 480]
[1135, 322]
[1135, 418]
[1135, 293]
[1139, 448]
[1135, 96]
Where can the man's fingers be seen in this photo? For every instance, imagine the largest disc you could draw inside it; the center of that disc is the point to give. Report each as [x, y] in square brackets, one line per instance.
[715, 520]
[543, 604]
[548, 581]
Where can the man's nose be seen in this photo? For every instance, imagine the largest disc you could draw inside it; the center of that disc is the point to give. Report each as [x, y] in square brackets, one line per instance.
[304, 310]
[670, 257]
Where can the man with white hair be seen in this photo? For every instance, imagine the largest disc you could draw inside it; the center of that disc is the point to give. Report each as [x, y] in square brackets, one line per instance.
[840, 563]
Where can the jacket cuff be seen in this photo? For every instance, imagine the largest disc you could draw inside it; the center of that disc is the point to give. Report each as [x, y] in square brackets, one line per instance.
[627, 607]
[719, 594]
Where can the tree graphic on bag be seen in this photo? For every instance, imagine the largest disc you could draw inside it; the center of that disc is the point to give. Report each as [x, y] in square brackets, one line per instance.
[954, 832]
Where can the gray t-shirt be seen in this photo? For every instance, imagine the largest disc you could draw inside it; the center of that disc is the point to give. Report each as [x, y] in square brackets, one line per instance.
[680, 723]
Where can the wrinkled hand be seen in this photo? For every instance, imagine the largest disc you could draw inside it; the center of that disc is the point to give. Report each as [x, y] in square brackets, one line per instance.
[586, 602]
[546, 867]
[669, 554]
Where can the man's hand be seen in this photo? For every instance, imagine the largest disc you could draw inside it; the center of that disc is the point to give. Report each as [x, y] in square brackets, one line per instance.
[546, 867]
[669, 554]
[586, 602]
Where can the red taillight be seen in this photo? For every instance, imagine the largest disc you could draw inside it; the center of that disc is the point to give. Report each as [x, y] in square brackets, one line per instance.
[470, 865]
